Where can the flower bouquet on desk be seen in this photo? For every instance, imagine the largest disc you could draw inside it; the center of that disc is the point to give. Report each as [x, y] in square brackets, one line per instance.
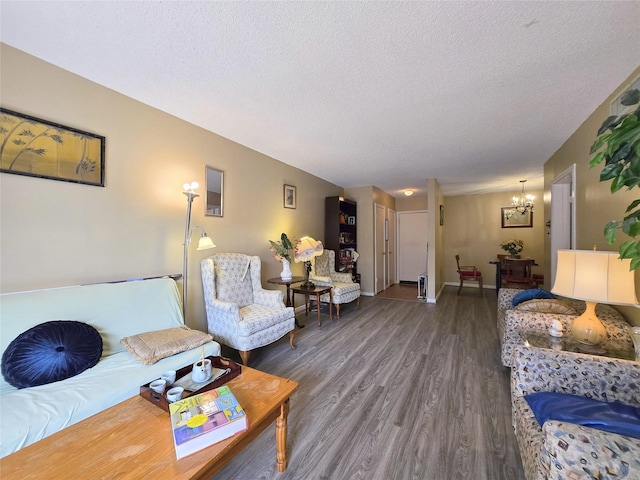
[514, 247]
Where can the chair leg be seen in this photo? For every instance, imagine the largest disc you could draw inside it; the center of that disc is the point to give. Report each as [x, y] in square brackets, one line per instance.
[337, 310]
[460, 287]
[358, 302]
[292, 334]
[244, 355]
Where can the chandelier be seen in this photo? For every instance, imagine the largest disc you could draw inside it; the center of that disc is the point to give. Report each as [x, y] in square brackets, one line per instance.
[522, 203]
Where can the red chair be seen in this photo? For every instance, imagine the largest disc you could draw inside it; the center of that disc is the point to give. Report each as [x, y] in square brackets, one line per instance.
[468, 273]
[519, 273]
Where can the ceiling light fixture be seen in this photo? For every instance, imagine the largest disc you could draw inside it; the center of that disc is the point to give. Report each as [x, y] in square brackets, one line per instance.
[522, 203]
[408, 193]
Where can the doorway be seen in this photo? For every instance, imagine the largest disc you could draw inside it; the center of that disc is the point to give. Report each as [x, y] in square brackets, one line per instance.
[563, 214]
[380, 248]
[412, 228]
[390, 235]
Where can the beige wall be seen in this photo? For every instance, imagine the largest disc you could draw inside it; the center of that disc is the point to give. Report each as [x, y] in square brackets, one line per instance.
[595, 205]
[414, 202]
[473, 230]
[57, 233]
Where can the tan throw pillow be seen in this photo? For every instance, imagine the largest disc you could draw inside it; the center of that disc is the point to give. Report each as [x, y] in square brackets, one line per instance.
[149, 347]
[544, 305]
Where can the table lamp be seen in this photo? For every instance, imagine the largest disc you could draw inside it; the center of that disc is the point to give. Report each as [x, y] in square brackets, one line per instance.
[595, 277]
[305, 250]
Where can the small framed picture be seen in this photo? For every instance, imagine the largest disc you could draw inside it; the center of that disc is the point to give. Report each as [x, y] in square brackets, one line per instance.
[441, 215]
[289, 196]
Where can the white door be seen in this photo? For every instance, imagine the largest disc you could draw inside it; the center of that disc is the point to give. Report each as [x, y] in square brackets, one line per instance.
[411, 245]
[391, 247]
[380, 248]
[563, 215]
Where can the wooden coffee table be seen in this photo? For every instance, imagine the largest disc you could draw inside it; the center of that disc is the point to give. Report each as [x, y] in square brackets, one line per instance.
[132, 440]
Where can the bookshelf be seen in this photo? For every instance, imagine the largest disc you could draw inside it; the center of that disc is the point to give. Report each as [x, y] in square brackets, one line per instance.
[341, 232]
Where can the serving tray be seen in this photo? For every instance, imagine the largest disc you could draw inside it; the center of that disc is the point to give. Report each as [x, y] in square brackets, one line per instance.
[160, 400]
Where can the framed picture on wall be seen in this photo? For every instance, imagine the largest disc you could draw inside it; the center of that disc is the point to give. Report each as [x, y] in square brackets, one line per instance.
[441, 215]
[43, 149]
[511, 218]
[289, 196]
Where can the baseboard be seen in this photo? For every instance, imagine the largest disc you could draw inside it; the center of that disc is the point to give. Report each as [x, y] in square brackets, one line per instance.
[471, 285]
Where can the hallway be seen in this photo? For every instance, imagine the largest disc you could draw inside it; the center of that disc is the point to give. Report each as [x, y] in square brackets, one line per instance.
[402, 291]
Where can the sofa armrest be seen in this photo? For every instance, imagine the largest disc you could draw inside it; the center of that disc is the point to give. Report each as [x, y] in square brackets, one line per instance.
[600, 378]
[320, 280]
[572, 450]
[505, 298]
[270, 298]
[341, 277]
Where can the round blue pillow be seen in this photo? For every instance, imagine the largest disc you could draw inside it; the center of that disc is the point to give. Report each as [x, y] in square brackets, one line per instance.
[50, 352]
[531, 294]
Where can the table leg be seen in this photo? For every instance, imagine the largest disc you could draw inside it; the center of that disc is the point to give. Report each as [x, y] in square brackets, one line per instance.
[288, 304]
[318, 306]
[281, 437]
[298, 324]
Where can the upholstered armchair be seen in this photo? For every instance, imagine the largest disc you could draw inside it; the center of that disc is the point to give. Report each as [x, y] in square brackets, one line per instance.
[323, 272]
[240, 313]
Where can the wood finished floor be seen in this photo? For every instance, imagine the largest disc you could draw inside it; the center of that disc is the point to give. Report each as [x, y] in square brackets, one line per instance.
[395, 390]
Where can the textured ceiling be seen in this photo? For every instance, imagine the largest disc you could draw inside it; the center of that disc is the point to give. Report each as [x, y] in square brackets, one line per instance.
[475, 94]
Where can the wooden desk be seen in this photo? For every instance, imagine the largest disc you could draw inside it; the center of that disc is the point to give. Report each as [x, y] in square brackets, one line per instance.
[498, 264]
[133, 439]
[317, 291]
[280, 281]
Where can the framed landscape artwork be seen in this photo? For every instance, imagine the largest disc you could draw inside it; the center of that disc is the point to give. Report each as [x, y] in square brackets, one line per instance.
[38, 148]
[289, 196]
[513, 219]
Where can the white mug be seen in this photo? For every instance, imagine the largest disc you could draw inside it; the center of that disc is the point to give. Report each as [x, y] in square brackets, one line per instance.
[201, 373]
[174, 394]
[158, 386]
[169, 376]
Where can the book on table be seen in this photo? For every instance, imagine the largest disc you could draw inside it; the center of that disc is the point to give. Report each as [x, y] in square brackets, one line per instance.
[204, 419]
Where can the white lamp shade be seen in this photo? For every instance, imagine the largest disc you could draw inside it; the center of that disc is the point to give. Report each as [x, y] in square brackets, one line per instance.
[205, 243]
[306, 249]
[595, 276]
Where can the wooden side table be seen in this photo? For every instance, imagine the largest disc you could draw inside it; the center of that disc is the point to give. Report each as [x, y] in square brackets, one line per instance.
[280, 281]
[317, 291]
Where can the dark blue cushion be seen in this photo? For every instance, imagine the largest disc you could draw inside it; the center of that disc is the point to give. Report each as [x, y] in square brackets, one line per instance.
[614, 417]
[530, 294]
[50, 352]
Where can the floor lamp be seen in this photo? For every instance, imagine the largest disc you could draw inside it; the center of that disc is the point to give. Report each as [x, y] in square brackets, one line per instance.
[204, 243]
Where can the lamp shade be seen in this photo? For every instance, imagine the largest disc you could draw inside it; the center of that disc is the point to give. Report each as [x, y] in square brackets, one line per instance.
[595, 276]
[306, 249]
[205, 243]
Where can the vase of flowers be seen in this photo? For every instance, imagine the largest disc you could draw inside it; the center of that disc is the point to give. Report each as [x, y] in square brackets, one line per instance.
[282, 252]
[514, 247]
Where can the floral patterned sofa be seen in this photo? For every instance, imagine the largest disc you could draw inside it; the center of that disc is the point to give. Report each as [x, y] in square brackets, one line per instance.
[514, 323]
[561, 450]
